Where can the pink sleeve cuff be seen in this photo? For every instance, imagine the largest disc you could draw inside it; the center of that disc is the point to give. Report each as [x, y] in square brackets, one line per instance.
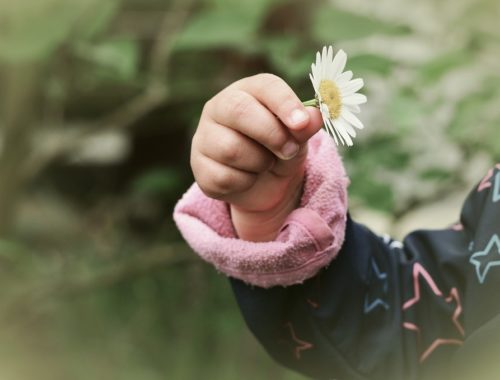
[310, 238]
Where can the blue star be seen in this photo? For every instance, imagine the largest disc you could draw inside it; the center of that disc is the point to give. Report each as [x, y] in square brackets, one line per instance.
[482, 273]
[376, 301]
[496, 190]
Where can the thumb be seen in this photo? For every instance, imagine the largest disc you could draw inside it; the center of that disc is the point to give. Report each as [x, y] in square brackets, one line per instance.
[286, 168]
[305, 132]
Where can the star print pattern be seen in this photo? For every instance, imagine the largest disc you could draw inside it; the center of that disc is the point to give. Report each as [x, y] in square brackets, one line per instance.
[422, 277]
[300, 345]
[436, 277]
[377, 292]
[486, 259]
[486, 181]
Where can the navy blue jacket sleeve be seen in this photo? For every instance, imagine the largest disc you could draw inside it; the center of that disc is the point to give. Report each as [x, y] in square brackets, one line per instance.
[391, 310]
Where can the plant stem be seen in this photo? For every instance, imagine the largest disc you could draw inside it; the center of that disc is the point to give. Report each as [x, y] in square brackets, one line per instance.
[310, 103]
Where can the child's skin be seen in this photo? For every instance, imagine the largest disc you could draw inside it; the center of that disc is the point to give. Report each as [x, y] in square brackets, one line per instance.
[249, 150]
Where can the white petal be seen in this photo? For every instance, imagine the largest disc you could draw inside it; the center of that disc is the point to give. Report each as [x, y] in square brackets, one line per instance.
[342, 123]
[347, 126]
[352, 87]
[354, 99]
[313, 70]
[330, 54]
[352, 119]
[331, 131]
[324, 61]
[343, 78]
[314, 83]
[339, 63]
[325, 112]
[354, 108]
[340, 128]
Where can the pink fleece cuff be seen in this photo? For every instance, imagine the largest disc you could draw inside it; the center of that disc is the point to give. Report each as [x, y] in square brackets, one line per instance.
[310, 238]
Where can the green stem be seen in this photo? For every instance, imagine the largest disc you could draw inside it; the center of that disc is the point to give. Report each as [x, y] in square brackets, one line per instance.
[310, 103]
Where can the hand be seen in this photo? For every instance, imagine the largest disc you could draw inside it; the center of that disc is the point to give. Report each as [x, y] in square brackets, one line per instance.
[249, 150]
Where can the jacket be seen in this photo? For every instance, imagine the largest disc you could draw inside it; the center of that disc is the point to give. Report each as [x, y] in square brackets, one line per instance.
[332, 300]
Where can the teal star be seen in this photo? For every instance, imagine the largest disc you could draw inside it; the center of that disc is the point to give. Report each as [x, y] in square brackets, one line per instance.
[377, 291]
[483, 266]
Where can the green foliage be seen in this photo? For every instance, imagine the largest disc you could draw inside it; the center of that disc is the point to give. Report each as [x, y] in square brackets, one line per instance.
[158, 182]
[287, 57]
[405, 111]
[332, 24]
[477, 119]
[117, 59]
[436, 68]
[226, 24]
[370, 63]
[371, 159]
[32, 30]
[219, 28]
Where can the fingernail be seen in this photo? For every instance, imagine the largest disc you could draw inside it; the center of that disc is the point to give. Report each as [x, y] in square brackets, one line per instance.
[297, 117]
[289, 150]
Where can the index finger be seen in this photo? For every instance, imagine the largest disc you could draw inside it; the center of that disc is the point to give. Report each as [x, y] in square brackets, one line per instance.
[274, 93]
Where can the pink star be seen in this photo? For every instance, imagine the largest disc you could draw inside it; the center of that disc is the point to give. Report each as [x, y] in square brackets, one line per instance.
[485, 182]
[419, 271]
[301, 344]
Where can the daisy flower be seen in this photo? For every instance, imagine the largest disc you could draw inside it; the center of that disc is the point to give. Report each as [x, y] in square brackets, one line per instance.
[336, 95]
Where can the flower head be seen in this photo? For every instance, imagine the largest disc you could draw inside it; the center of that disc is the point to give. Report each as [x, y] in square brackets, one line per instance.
[336, 95]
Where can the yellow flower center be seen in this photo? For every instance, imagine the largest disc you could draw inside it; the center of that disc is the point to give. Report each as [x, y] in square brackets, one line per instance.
[330, 95]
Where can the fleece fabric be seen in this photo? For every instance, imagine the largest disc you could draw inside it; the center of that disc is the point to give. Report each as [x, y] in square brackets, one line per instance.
[309, 239]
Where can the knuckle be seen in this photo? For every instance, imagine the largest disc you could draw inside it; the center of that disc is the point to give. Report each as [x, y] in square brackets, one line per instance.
[208, 106]
[271, 83]
[223, 182]
[288, 101]
[230, 149]
[275, 138]
[268, 79]
[238, 104]
[246, 182]
[211, 193]
[263, 163]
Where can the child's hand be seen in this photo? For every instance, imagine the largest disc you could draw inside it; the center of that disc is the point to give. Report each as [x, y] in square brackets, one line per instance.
[249, 150]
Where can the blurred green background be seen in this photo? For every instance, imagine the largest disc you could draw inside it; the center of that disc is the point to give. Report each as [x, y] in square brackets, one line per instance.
[98, 102]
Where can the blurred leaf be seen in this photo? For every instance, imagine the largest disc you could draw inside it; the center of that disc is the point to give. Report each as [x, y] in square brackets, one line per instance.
[436, 174]
[223, 27]
[33, 29]
[477, 119]
[405, 111]
[332, 24]
[120, 57]
[258, 5]
[436, 68]
[366, 162]
[286, 55]
[97, 18]
[370, 63]
[10, 249]
[159, 182]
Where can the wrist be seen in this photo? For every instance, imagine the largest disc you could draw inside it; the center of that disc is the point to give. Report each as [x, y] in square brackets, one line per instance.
[261, 226]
